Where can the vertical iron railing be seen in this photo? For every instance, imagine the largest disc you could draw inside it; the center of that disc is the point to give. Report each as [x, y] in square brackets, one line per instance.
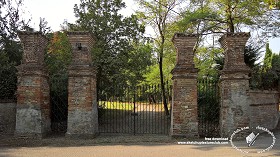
[208, 107]
[59, 103]
[133, 110]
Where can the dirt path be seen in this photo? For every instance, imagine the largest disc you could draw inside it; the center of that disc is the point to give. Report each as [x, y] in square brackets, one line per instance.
[120, 146]
[147, 150]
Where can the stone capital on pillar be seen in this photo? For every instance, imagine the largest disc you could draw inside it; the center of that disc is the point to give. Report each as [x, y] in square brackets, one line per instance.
[34, 45]
[234, 46]
[33, 100]
[82, 99]
[184, 44]
[184, 120]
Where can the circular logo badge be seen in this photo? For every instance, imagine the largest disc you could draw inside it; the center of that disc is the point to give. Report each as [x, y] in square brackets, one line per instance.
[252, 140]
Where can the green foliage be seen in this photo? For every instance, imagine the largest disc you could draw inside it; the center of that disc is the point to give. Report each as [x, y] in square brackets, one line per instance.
[275, 62]
[218, 16]
[251, 55]
[206, 60]
[208, 99]
[200, 18]
[273, 4]
[159, 15]
[266, 76]
[8, 79]
[10, 48]
[57, 59]
[152, 76]
[210, 61]
[58, 56]
[138, 61]
[267, 62]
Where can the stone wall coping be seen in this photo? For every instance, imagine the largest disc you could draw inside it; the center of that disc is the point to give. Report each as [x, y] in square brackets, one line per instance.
[245, 69]
[235, 35]
[29, 33]
[239, 34]
[9, 101]
[186, 35]
[78, 33]
[264, 91]
[25, 34]
[263, 104]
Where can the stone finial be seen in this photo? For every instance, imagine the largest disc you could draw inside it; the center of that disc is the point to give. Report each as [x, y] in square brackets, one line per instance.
[34, 45]
[234, 45]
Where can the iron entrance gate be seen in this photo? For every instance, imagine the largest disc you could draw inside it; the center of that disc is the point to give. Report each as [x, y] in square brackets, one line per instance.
[133, 110]
[208, 107]
[59, 103]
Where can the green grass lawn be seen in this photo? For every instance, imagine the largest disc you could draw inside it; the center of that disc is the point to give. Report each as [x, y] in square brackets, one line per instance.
[124, 105]
[116, 105]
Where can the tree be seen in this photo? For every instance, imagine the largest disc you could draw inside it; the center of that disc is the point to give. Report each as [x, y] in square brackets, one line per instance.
[252, 54]
[267, 62]
[117, 38]
[139, 60]
[10, 48]
[158, 14]
[266, 76]
[58, 55]
[10, 23]
[275, 63]
[218, 16]
[207, 61]
[43, 26]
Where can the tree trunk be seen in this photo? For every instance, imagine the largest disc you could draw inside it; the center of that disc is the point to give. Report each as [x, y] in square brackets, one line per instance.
[230, 19]
[163, 86]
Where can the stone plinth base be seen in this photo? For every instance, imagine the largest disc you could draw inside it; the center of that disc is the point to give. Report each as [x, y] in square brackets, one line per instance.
[82, 123]
[234, 111]
[30, 123]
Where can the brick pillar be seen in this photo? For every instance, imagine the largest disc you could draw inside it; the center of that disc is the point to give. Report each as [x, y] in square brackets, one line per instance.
[184, 120]
[82, 95]
[234, 84]
[33, 99]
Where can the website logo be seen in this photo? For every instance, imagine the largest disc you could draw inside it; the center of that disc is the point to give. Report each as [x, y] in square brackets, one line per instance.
[252, 140]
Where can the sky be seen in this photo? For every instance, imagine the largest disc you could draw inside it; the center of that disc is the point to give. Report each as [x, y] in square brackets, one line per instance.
[56, 11]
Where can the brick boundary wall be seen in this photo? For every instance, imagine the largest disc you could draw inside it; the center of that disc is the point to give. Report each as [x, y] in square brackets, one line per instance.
[264, 108]
[7, 117]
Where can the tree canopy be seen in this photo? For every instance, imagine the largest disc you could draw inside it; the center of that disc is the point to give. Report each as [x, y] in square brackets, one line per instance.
[10, 48]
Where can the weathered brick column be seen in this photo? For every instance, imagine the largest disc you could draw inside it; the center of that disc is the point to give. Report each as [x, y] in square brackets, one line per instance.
[82, 99]
[33, 100]
[184, 120]
[234, 84]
